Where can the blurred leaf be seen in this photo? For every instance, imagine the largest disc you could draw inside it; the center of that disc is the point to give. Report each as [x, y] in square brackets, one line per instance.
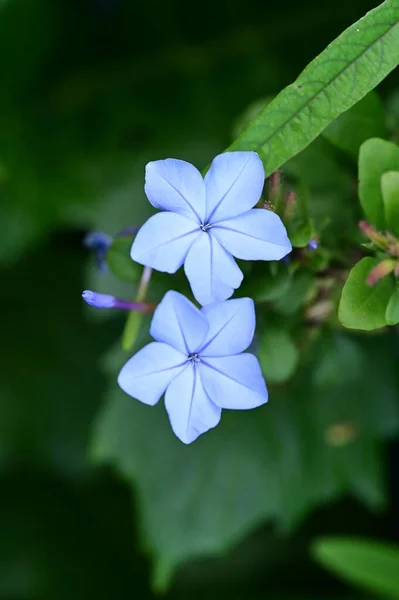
[364, 120]
[300, 234]
[392, 312]
[277, 355]
[363, 306]
[369, 564]
[263, 285]
[238, 460]
[119, 261]
[376, 157]
[301, 290]
[330, 191]
[339, 77]
[390, 197]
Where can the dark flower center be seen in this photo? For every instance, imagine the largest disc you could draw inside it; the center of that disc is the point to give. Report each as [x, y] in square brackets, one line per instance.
[194, 358]
[205, 226]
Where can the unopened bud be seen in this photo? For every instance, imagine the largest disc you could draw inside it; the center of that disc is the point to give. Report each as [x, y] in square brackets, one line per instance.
[99, 243]
[107, 301]
[381, 270]
[290, 202]
[274, 196]
[313, 245]
[375, 236]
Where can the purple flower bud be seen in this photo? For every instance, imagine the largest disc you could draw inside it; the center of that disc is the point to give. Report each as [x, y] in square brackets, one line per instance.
[107, 301]
[99, 243]
[99, 300]
[313, 245]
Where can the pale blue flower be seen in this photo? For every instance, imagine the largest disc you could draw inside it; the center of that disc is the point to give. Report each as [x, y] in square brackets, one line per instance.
[197, 362]
[207, 221]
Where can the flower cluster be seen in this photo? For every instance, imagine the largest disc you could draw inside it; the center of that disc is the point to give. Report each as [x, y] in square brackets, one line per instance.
[198, 359]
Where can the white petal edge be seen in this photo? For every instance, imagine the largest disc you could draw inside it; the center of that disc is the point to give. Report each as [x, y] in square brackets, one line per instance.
[148, 373]
[231, 327]
[190, 410]
[164, 241]
[179, 323]
[212, 272]
[234, 382]
[259, 234]
[233, 184]
[177, 186]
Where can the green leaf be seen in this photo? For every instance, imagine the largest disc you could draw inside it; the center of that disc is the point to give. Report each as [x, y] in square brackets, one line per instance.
[362, 306]
[339, 77]
[277, 355]
[364, 120]
[376, 157]
[119, 261]
[369, 564]
[290, 431]
[390, 197]
[392, 311]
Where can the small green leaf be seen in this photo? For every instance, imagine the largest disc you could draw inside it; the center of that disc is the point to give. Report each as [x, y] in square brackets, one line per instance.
[372, 565]
[390, 197]
[277, 355]
[376, 157]
[363, 121]
[392, 312]
[363, 306]
[119, 261]
[349, 68]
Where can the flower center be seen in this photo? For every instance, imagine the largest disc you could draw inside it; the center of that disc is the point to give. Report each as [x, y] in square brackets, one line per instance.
[194, 358]
[205, 226]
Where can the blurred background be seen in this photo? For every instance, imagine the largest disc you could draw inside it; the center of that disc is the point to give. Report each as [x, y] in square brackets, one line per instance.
[90, 91]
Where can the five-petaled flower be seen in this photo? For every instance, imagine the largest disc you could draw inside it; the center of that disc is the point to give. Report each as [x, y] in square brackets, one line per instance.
[197, 360]
[207, 221]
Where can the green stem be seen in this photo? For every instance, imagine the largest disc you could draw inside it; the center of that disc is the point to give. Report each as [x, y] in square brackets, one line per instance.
[135, 317]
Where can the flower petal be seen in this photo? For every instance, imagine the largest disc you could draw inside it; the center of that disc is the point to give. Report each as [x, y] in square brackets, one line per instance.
[163, 241]
[231, 327]
[148, 373]
[177, 186]
[190, 410]
[234, 381]
[212, 272]
[258, 234]
[179, 323]
[234, 184]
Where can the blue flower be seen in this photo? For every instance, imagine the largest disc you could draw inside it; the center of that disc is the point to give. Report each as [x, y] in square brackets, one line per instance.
[208, 221]
[196, 361]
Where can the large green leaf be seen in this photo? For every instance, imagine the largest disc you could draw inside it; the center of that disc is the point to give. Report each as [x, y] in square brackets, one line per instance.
[339, 77]
[274, 462]
[363, 306]
[376, 157]
[370, 564]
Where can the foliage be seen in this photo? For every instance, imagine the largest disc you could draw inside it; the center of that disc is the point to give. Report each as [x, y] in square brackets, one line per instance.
[370, 564]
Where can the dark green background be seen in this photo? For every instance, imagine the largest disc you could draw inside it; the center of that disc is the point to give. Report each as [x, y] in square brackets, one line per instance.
[91, 90]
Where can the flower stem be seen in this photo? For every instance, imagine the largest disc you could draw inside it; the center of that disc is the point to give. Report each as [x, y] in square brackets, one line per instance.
[135, 318]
